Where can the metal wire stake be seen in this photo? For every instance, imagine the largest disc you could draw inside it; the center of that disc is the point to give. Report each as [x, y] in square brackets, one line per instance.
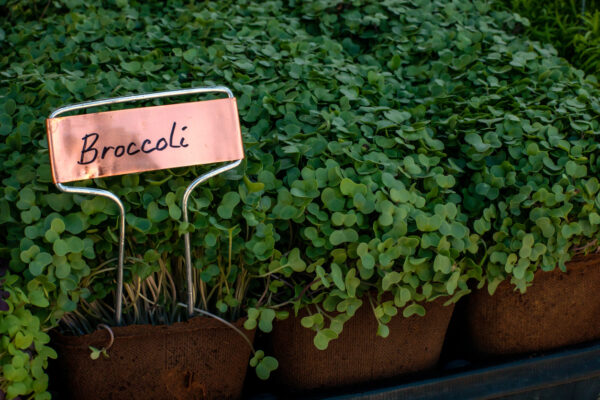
[186, 237]
[113, 197]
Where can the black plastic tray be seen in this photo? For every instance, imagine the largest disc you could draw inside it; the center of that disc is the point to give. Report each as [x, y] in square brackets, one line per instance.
[572, 373]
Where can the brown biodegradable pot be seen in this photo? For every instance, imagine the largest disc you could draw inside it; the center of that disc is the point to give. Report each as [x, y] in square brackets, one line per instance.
[559, 309]
[358, 355]
[198, 359]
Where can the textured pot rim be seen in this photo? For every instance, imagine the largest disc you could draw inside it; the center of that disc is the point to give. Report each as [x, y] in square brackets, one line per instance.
[137, 331]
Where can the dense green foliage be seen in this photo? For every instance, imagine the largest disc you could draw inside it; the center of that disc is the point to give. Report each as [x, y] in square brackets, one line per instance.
[527, 133]
[572, 26]
[399, 146]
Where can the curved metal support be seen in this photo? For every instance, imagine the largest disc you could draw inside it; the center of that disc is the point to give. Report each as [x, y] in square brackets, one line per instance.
[186, 237]
[113, 197]
[138, 97]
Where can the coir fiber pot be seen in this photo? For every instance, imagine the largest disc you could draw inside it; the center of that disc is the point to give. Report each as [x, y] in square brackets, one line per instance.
[558, 309]
[358, 355]
[199, 359]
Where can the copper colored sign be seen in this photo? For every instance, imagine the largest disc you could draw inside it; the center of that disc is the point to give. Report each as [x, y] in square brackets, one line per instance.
[144, 139]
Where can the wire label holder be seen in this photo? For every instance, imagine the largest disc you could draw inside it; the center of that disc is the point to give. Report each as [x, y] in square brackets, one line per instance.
[144, 139]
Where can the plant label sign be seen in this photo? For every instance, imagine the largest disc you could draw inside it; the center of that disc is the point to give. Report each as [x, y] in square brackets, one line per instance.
[144, 139]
